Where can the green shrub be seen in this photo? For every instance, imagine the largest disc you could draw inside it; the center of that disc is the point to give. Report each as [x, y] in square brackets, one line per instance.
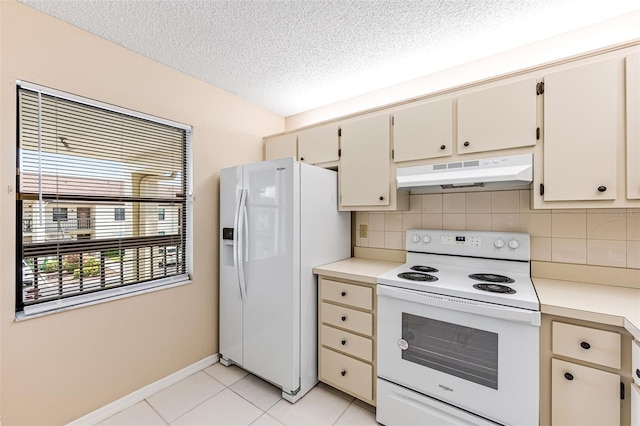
[90, 268]
[50, 266]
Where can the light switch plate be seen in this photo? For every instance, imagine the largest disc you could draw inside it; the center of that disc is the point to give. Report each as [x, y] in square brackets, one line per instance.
[363, 231]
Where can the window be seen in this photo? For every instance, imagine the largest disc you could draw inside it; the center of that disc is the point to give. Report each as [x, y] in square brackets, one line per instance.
[118, 213]
[112, 168]
[59, 214]
[160, 214]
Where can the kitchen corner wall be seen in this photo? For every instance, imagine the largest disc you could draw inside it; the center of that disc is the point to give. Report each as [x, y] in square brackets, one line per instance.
[603, 237]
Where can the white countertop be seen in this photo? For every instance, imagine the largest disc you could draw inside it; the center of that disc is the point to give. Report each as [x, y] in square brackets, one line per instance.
[618, 306]
[357, 269]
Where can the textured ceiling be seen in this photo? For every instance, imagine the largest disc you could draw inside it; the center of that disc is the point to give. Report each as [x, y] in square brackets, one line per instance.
[290, 56]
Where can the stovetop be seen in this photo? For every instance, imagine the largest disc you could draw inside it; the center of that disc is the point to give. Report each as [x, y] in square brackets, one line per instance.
[444, 261]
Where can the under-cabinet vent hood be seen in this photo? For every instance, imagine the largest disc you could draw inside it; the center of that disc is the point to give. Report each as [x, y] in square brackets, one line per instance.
[510, 172]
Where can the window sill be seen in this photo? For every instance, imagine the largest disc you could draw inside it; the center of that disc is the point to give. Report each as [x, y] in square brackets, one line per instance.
[82, 301]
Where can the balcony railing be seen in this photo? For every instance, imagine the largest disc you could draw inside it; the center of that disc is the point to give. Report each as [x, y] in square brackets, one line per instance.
[74, 224]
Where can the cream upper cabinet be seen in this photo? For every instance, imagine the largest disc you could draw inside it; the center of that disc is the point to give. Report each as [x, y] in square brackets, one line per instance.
[633, 126]
[367, 181]
[319, 145]
[424, 131]
[582, 131]
[498, 117]
[280, 147]
[583, 396]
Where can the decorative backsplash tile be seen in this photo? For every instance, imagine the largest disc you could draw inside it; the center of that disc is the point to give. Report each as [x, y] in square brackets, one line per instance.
[607, 237]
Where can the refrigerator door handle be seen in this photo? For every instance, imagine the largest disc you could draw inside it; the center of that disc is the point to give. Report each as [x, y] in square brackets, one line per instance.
[236, 236]
[241, 232]
[246, 229]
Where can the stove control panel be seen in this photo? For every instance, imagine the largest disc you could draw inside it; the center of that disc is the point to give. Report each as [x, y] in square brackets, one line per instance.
[460, 240]
[498, 245]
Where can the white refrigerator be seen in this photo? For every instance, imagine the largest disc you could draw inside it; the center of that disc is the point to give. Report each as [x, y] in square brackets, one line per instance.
[278, 219]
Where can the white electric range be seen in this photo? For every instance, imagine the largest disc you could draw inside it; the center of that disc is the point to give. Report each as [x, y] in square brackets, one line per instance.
[458, 332]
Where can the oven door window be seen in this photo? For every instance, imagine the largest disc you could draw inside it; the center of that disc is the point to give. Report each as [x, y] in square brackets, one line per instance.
[464, 352]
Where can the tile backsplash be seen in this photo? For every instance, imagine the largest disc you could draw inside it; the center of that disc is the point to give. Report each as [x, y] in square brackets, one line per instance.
[603, 237]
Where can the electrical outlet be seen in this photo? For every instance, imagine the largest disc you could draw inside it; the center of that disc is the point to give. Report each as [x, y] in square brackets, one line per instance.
[363, 231]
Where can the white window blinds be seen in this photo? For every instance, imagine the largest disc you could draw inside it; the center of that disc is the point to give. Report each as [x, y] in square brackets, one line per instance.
[91, 180]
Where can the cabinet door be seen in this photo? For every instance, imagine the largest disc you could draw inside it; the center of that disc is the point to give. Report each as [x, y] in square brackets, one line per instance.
[635, 405]
[497, 118]
[425, 131]
[318, 144]
[583, 396]
[365, 162]
[581, 131]
[280, 147]
[633, 126]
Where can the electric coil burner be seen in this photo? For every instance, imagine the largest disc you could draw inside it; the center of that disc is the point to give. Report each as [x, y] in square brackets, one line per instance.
[495, 288]
[417, 276]
[492, 278]
[421, 268]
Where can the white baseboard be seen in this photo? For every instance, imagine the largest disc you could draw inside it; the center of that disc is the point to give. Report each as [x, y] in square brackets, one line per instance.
[118, 405]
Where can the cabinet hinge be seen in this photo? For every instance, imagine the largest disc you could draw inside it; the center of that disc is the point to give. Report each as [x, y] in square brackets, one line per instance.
[542, 189]
[339, 131]
[538, 133]
[540, 88]
[621, 390]
[339, 152]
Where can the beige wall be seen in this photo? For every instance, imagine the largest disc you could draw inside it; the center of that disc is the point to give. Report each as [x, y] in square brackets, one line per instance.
[57, 368]
[599, 237]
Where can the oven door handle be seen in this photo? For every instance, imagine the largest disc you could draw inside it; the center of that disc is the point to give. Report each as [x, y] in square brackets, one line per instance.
[463, 305]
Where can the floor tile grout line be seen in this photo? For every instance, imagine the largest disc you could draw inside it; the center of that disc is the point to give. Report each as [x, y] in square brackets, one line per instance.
[156, 411]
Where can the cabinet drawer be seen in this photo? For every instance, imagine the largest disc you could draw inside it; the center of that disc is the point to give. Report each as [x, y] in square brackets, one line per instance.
[587, 344]
[583, 395]
[349, 294]
[348, 373]
[344, 341]
[360, 322]
[635, 362]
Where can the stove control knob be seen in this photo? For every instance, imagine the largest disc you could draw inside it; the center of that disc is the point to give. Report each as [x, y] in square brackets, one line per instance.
[499, 243]
[426, 239]
[514, 244]
[416, 238]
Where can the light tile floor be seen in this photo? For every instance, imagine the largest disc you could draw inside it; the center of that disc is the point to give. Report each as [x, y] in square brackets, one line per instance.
[220, 395]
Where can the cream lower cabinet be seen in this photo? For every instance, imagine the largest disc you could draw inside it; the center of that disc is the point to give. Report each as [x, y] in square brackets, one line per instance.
[586, 384]
[346, 337]
[583, 396]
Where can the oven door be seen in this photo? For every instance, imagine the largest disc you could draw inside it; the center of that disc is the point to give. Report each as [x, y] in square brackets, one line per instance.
[480, 357]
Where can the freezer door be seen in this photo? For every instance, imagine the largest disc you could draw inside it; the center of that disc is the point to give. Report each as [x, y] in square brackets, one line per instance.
[231, 306]
[271, 262]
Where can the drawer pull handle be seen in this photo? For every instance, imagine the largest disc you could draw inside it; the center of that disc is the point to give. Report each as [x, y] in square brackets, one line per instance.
[343, 294]
[343, 373]
[344, 342]
[585, 345]
[344, 318]
[638, 373]
[568, 376]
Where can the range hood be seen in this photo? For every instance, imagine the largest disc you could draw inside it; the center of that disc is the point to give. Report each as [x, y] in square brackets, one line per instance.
[511, 172]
